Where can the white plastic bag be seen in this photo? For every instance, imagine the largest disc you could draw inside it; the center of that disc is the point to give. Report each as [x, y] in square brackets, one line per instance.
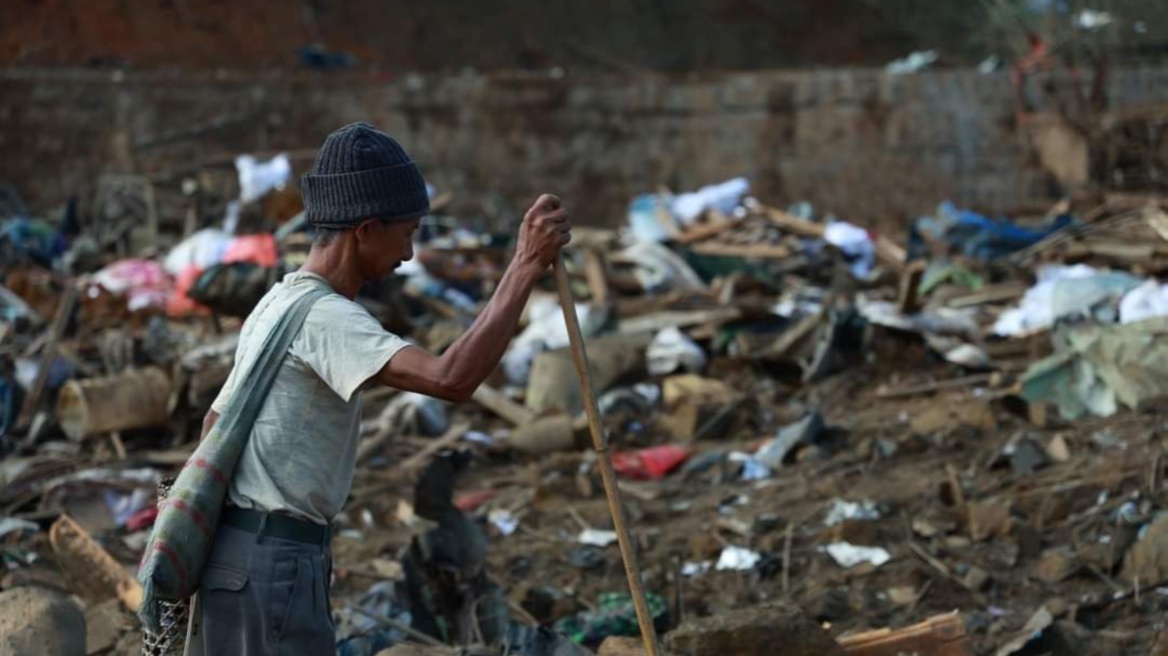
[257, 178]
[671, 350]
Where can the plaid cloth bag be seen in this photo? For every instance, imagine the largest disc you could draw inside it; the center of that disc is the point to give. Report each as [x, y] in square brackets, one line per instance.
[185, 529]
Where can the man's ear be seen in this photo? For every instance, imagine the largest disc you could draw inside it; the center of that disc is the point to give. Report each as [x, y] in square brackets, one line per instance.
[363, 228]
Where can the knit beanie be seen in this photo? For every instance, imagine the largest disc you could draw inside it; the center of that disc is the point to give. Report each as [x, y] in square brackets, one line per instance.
[362, 173]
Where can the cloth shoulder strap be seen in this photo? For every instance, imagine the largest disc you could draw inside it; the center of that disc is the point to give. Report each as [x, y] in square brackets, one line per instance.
[252, 389]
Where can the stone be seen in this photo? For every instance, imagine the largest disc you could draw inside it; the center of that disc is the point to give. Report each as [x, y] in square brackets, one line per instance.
[974, 414]
[1160, 647]
[40, 621]
[553, 384]
[1057, 565]
[1027, 457]
[831, 606]
[620, 646]
[902, 595]
[975, 579]
[1107, 553]
[104, 625]
[757, 631]
[1058, 449]
[1147, 560]
[988, 519]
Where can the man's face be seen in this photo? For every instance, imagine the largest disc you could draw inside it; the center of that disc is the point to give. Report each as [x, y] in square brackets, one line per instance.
[382, 246]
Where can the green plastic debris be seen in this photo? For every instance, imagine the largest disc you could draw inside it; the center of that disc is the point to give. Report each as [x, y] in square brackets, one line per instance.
[614, 616]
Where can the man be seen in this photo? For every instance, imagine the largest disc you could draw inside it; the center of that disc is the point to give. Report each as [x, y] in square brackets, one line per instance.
[265, 586]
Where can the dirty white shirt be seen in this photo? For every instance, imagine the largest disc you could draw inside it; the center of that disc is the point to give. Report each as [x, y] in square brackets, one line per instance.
[300, 457]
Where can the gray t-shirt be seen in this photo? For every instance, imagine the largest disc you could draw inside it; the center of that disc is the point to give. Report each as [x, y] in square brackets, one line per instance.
[302, 451]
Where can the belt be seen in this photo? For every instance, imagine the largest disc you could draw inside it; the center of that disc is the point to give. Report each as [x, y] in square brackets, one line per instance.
[277, 526]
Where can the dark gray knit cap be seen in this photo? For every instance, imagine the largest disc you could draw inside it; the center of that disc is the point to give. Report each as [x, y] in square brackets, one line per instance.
[362, 173]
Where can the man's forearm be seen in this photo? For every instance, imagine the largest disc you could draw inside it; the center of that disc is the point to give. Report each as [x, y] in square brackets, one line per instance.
[457, 373]
[472, 358]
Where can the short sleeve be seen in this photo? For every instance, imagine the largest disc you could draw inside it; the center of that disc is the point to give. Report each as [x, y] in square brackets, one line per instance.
[344, 344]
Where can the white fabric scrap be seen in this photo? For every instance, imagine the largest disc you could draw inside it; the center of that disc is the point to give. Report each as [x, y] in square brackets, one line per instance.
[723, 197]
[693, 569]
[855, 242]
[671, 350]
[842, 511]
[596, 538]
[848, 555]
[257, 178]
[503, 520]
[737, 559]
[1148, 301]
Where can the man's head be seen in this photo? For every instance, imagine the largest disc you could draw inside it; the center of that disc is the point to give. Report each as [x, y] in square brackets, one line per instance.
[365, 191]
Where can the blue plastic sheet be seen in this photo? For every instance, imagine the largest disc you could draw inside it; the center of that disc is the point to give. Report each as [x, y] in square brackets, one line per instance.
[978, 236]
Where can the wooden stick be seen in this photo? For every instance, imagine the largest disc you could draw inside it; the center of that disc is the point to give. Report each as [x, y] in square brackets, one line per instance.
[404, 469]
[403, 627]
[596, 275]
[604, 460]
[498, 403]
[422, 457]
[33, 401]
[787, 557]
[927, 388]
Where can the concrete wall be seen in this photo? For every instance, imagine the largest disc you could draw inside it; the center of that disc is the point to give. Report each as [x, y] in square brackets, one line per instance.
[856, 141]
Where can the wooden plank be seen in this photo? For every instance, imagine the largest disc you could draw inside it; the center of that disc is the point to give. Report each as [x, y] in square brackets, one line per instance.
[33, 401]
[928, 388]
[943, 635]
[498, 403]
[794, 335]
[651, 323]
[794, 224]
[596, 275]
[1009, 291]
[762, 251]
[1127, 252]
[890, 254]
[707, 230]
[909, 300]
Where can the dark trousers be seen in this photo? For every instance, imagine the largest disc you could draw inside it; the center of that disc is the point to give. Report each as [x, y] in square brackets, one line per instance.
[265, 596]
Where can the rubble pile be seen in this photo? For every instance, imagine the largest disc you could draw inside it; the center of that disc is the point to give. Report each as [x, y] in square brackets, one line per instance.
[826, 437]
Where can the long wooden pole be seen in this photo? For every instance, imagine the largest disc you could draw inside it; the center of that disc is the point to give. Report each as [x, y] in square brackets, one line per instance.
[600, 444]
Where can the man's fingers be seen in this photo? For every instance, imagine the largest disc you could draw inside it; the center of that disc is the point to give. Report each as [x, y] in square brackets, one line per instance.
[555, 216]
[565, 238]
[547, 202]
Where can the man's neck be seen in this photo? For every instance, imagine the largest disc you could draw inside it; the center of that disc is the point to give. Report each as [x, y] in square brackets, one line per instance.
[337, 267]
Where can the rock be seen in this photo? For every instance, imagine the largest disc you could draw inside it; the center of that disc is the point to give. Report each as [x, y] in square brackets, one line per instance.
[1028, 456]
[755, 631]
[1148, 559]
[1160, 648]
[831, 606]
[1057, 565]
[617, 646]
[104, 624]
[1058, 449]
[977, 415]
[1108, 553]
[902, 595]
[40, 621]
[975, 579]
[553, 384]
[988, 519]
